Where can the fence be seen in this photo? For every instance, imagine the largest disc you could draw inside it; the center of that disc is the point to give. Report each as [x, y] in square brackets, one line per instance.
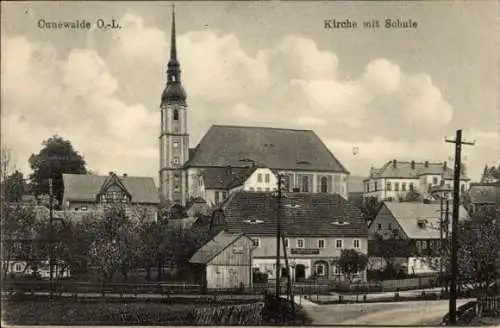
[489, 306]
[140, 289]
[411, 283]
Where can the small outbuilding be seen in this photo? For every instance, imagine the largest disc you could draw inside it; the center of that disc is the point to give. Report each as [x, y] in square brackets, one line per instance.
[225, 261]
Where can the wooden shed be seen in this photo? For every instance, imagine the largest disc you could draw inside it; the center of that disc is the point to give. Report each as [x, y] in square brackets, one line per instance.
[225, 261]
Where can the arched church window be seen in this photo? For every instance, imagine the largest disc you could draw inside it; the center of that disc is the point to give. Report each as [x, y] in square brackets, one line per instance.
[176, 115]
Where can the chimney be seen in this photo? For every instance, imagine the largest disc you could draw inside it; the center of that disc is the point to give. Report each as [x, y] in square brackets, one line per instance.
[413, 165]
[125, 175]
[426, 164]
[394, 163]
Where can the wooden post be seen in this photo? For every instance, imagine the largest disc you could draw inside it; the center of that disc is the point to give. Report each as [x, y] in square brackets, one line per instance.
[454, 230]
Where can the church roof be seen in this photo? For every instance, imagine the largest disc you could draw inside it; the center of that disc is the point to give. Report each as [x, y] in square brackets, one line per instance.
[85, 188]
[272, 147]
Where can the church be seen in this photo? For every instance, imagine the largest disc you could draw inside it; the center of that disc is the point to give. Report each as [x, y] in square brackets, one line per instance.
[225, 153]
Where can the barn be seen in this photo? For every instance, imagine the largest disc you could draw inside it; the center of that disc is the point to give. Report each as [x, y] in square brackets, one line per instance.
[225, 261]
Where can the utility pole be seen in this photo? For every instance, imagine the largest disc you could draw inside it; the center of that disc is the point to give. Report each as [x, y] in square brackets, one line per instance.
[51, 256]
[278, 237]
[454, 230]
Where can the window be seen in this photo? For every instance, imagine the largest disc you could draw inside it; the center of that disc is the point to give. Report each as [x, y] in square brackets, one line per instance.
[414, 262]
[266, 177]
[84, 208]
[320, 269]
[403, 186]
[389, 226]
[267, 189]
[224, 195]
[259, 177]
[356, 243]
[375, 184]
[435, 181]
[176, 115]
[176, 177]
[256, 242]
[462, 188]
[424, 244]
[338, 243]
[287, 242]
[379, 226]
[367, 187]
[305, 184]
[175, 144]
[251, 188]
[396, 186]
[389, 186]
[321, 243]
[300, 243]
[176, 188]
[217, 195]
[429, 186]
[324, 184]
[418, 244]
[411, 186]
[176, 160]
[259, 189]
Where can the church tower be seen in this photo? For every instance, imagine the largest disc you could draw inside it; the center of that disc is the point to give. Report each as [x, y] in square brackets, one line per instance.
[174, 139]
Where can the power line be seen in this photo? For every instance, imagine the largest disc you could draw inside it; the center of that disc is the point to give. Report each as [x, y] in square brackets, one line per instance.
[454, 230]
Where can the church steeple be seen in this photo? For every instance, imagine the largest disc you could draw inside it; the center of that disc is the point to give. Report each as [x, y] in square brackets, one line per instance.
[174, 92]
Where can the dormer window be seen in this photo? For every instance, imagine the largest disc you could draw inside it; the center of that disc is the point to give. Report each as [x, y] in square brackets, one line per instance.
[253, 221]
[341, 223]
[421, 223]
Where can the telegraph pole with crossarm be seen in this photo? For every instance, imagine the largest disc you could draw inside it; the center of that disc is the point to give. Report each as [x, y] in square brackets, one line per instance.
[454, 230]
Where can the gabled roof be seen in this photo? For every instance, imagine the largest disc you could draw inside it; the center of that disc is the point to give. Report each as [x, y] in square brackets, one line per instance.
[112, 179]
[404, 169]
[215, 246]
[275, 148]
[302, 214]
[408, 216]
[84, 188]
[484, 194]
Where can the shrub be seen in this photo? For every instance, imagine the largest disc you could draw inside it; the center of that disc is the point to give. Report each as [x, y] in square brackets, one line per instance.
[278, 310]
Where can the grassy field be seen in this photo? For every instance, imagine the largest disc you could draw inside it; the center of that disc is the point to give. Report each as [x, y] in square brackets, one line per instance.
[94, 313]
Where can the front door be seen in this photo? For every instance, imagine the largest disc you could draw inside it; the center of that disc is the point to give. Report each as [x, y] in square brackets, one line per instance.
[300, 272]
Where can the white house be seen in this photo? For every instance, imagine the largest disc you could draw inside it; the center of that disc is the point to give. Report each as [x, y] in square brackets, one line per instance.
[395, 179]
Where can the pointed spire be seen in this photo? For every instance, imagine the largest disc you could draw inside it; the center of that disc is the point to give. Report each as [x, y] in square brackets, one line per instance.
[174, 92]
[173, 41]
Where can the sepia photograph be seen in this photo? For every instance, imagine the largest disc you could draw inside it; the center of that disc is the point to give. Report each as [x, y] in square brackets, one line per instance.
[302, 163]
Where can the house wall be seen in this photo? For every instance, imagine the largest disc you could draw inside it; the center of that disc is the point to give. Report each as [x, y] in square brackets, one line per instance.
[231, 267]
[150, 210]
[382, 193]
[264, 255]
[263, 179]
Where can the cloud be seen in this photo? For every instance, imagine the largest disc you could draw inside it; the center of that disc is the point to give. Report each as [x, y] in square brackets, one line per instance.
[107, 102]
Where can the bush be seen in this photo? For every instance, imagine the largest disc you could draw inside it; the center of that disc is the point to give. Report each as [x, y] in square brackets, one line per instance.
[278, 310]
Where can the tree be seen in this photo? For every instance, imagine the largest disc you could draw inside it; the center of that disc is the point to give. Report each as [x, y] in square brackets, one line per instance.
[17, 234]
[55, 158]
[490, 174]
[14, 186]
[478, 249]
[109, 237]
[370, 207]
[352, 262]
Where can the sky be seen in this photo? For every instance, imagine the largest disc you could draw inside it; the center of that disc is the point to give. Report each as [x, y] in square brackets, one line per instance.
[387, 93]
